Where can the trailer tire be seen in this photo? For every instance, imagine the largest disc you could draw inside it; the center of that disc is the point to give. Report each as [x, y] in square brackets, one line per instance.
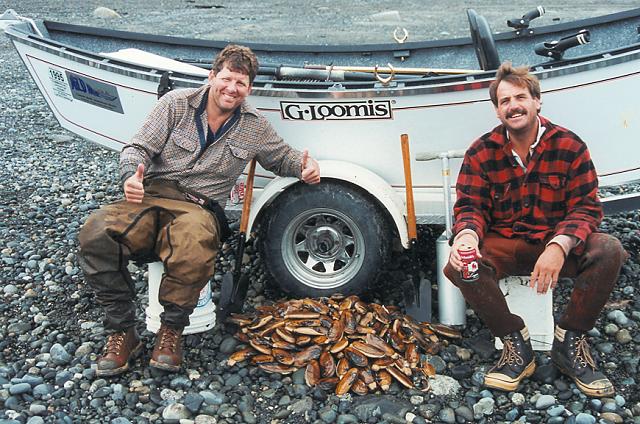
[325, 239]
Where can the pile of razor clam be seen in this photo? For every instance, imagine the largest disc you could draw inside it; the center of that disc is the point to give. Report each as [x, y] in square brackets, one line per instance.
[343, 343]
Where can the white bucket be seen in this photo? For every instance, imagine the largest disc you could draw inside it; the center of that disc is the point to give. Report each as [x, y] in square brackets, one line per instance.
[201, 319]
[535, 309]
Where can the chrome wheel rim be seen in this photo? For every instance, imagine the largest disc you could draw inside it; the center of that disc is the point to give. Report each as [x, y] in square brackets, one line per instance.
[323, 248]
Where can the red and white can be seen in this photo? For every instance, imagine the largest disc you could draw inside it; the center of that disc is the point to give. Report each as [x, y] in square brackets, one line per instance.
[469, 263]
[237, 193]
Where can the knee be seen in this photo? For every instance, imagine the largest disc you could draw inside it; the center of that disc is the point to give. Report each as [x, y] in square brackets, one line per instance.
[92, 230]
[607, 247]
[451, 274]
[202, 229]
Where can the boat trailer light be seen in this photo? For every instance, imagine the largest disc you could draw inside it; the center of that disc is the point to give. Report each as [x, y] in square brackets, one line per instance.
[556, 49]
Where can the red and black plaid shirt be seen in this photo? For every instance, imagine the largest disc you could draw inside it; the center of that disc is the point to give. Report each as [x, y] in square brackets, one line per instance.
[556, 195]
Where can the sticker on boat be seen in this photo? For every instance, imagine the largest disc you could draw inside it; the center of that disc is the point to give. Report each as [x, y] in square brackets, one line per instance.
[336, 111]
[94, 92]
[59, 84]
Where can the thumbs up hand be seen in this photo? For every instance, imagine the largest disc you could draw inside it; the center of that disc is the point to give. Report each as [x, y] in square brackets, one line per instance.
[310, 169]
[133, 188]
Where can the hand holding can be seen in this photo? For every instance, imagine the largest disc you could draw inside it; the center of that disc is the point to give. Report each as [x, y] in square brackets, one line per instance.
[469, 271]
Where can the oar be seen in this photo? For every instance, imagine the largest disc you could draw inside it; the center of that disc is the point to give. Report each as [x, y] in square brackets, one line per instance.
[417, 299]
[234, 285]
[393, 70]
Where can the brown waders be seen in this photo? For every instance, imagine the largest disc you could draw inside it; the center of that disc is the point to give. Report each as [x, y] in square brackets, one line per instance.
[183, 235]
[595, 273]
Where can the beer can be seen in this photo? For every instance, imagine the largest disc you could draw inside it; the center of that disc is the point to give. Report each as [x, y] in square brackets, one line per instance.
[469, 259]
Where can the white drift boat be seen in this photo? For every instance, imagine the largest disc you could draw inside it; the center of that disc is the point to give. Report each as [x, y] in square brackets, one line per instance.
[335, 101]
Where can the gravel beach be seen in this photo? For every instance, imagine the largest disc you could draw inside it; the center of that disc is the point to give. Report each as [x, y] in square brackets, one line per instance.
[50, 326]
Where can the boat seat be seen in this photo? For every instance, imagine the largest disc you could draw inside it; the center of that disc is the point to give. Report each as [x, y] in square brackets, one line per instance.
[483, 42]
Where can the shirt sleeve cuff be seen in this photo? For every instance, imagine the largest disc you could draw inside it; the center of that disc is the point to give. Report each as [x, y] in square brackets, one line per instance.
[566, 243]
[467, 231]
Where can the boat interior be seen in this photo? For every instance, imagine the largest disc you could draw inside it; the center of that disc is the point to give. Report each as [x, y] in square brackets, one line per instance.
[365, 66]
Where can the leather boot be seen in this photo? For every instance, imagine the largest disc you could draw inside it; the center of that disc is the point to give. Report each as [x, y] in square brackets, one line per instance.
[167, 352]
[121, 347]
[516, 363]
[571, 354]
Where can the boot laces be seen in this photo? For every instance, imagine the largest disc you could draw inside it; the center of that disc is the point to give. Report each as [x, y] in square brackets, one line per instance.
[583, 353]
[169, 339]
[510, 354]
[114, 343]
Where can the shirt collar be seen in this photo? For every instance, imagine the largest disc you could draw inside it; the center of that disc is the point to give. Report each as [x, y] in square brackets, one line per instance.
[541, 130]
[518, 159]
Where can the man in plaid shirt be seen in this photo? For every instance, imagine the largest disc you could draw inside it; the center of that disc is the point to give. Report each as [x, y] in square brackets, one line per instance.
[177, 173]
[527, 204]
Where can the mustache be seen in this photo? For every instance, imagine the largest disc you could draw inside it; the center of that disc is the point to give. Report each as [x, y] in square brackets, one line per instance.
[516, 112]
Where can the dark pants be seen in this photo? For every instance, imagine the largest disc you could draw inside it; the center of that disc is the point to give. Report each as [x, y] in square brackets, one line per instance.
[183, 235]
[595, 273]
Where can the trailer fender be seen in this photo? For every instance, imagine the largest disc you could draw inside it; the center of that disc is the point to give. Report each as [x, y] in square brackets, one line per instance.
[349, 172]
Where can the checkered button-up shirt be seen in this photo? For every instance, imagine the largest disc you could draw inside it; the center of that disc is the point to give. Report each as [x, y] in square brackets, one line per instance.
[169, 145]
[556, 194]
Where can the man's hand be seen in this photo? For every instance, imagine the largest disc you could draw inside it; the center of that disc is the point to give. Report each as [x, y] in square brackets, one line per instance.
[310, 169]
[547, 269]
[467, 239]
[133, 188]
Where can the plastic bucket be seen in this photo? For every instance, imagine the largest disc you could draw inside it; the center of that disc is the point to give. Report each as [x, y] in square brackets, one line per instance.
[201, 319]
[536, 310]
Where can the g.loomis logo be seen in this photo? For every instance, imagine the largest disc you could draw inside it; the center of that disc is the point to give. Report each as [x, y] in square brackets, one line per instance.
[336, 111]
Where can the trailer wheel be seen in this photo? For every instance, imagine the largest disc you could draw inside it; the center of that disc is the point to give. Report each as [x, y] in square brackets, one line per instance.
[324, 239]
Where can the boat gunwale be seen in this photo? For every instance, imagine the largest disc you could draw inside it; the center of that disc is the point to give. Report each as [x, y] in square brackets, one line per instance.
[315, 90]
[334, 48]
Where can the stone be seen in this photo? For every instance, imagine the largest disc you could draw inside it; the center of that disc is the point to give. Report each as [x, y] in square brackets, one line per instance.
[545, 401]
[367, 407]
[611, 417]
[484, 406]
[388, 17]
[447, 415]
[303, 405]
[175, 411]
[59, 355]
[106, 13]
[518, 399]
[442, 385]
[20, 388]
[583, 418]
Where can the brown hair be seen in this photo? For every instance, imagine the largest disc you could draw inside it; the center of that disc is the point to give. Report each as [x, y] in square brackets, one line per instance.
[237, 59]
[517, 76]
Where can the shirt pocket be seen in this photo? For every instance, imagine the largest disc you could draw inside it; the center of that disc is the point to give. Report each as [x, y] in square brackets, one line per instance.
[233, 161]
[239, 152]
[180, 151]
[501, 199]
[551, 195]
[184, 140]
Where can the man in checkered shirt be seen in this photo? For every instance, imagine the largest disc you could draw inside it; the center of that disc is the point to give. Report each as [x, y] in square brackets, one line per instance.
[177, 173]
[527, 204]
